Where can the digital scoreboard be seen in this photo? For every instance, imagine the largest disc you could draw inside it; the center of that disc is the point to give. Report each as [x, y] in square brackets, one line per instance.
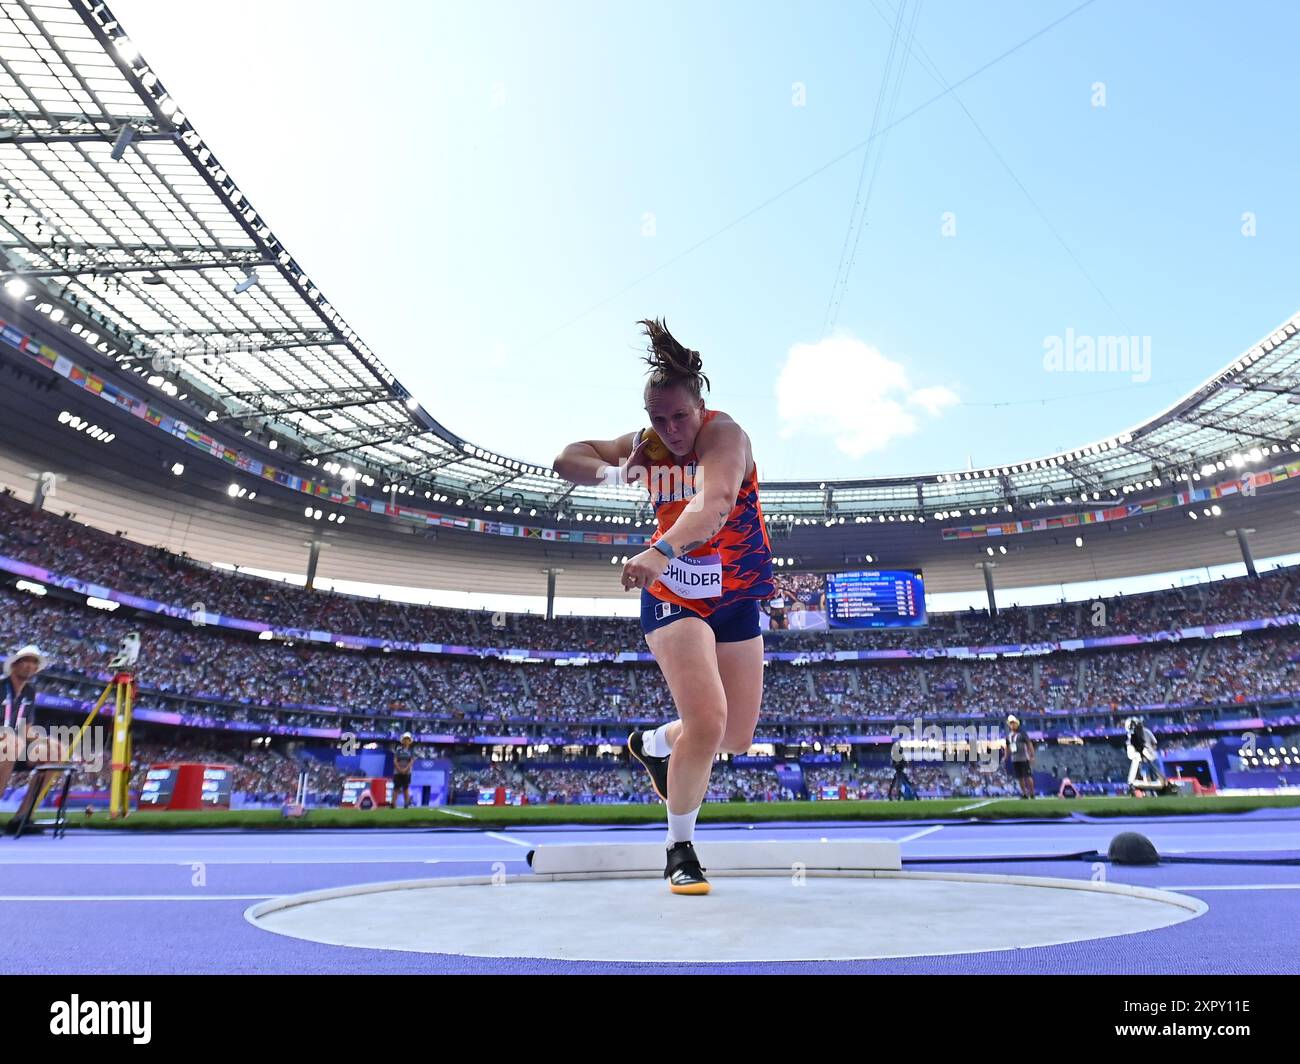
[187, 785]
[158, 786]
[875, 598]
[367, 792]
[216, 787]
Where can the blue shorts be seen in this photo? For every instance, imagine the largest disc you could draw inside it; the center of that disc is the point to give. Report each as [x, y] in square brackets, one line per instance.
[731, 624]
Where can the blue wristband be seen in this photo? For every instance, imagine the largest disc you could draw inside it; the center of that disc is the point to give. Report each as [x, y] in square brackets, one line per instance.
[664, 548]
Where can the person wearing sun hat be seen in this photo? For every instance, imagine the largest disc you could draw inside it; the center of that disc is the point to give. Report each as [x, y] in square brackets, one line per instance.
[1020, 756]
[18, 710]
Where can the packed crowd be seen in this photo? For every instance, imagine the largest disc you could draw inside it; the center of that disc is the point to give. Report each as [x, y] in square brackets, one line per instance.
[72, 549]
[224, 676]
[268, 776]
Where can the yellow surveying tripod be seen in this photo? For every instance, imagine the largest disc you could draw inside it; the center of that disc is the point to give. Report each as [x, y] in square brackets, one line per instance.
[122, 687]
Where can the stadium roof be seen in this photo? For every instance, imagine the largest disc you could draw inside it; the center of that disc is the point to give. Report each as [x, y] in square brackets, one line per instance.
[120, 223]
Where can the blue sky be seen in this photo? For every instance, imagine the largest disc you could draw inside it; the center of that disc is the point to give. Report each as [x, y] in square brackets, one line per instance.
[493, 193]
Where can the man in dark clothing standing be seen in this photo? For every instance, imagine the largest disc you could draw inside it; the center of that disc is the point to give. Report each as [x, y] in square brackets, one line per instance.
[403, 759]
[1020, 756]
[898, 785]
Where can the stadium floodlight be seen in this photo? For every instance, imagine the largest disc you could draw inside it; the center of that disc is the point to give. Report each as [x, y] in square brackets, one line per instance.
[249, 280]
[233, 490]
[16, 287]
[177, 469]
[1078, 541]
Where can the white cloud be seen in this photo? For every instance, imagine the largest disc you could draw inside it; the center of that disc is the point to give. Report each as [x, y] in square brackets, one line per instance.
[846, 389]
[934, 400]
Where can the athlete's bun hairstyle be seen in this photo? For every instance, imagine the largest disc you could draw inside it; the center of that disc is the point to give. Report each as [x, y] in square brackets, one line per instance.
[670, 363]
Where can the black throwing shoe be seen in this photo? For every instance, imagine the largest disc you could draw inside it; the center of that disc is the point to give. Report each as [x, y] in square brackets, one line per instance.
[683, 871]
[657, 767]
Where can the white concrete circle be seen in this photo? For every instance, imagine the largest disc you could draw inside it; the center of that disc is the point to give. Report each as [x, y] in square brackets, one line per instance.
[821, 917]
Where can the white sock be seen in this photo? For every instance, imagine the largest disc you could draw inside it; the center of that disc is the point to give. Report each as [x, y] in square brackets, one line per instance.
[681, 826]
[655, 742]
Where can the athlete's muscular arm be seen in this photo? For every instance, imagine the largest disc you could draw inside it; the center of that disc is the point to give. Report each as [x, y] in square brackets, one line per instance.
[723, 451]
[589, 462]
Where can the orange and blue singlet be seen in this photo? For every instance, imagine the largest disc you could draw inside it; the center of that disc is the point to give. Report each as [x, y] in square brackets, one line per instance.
[721, 581]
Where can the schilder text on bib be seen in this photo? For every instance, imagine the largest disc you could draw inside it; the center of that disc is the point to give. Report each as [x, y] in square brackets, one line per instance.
[694, 578]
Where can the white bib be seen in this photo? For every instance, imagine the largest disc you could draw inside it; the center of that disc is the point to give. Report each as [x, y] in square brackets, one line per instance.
[694, 578]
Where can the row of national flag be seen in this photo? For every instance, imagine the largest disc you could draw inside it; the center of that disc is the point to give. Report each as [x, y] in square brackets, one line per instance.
[1245, 485]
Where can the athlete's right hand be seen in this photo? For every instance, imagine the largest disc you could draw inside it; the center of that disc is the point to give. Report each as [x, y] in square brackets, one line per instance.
[644, 569]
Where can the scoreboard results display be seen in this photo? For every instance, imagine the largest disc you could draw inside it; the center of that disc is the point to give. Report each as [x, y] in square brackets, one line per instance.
[367, 792]
[875, 598]
[217, 781]
[158, 787]
[864, 598]
[187, 785]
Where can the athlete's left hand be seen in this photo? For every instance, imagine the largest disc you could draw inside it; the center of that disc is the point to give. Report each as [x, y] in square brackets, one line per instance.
[644, 569]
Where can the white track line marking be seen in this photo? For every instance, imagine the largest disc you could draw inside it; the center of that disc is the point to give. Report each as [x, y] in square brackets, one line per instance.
[136, 897]
[452, 812]
[254, 861]
[507, 838]
[977, 805]
[1242, 886]
[920, 834]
